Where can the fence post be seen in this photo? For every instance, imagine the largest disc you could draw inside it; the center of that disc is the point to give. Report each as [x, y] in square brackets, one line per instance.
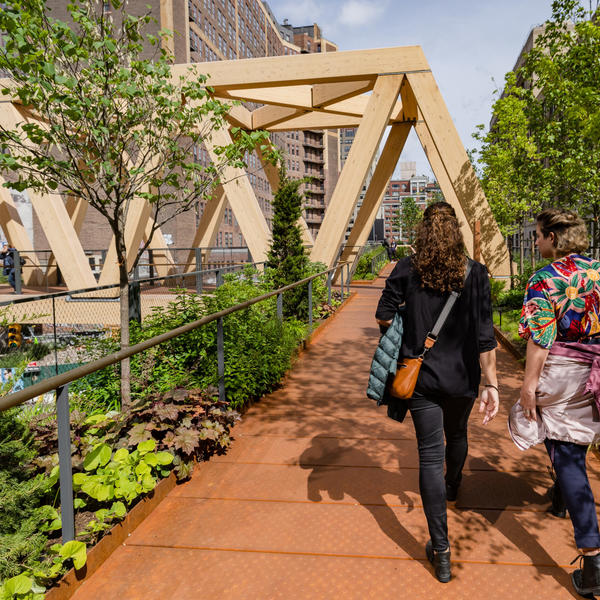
[17, 266]
[329, 278]
[55, 341]
[280, 306]
[198, 254]
[310, 307]
[348, 278]
[63, 419]
[150, 263]
[135, 302]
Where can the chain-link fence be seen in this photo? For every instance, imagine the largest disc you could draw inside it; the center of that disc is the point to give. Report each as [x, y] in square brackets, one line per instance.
[52, 333]
[36, 270]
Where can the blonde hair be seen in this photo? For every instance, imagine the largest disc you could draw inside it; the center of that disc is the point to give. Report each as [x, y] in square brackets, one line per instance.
[569, 229]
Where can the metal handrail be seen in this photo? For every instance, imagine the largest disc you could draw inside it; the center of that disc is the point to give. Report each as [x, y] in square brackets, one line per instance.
[52, 383]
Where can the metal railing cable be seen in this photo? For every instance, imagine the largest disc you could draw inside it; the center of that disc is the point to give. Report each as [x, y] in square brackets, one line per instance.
[60, 382]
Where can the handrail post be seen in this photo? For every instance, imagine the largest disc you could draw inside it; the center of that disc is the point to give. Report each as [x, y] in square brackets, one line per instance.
[310, 307]
[342, 280]
[63, 419]
[198, 254]
[18, 274]
[329, 278]
[220, 347]
[348, 278]
[221, 359]
[55, 341]
[280, 306]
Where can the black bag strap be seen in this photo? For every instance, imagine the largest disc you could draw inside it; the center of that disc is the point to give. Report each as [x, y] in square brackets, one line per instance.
[433, 334]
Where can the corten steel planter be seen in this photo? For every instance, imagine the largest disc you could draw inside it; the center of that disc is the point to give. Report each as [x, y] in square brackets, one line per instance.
[503, 339]
[96, 555]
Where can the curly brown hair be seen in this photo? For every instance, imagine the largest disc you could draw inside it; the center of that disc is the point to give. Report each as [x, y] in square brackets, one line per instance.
[440, 260]
[569, 229]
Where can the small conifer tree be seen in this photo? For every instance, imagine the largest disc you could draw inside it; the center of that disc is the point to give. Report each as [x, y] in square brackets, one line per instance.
[287, 260]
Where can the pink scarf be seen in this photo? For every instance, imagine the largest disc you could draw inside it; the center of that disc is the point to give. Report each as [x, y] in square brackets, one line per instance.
[587, 353]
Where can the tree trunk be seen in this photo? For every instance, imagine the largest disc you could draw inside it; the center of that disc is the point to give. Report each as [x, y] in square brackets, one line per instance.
[125, 363]
[521, 249]
[124, 321]
[510, 248]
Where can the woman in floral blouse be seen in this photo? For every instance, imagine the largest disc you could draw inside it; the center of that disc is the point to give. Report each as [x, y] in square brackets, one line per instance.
[561, 387]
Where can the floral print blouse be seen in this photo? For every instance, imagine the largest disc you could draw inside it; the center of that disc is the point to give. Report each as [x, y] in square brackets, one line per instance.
[562, 302]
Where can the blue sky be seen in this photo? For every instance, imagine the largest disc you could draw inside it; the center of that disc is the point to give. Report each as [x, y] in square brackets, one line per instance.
[469, 44]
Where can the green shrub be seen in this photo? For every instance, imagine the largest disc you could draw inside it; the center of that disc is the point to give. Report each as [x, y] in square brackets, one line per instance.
[99, 391]
[497, 289]
[403, 252]
[511, 298]
[364, 267]
[21, 496]
[287, 260]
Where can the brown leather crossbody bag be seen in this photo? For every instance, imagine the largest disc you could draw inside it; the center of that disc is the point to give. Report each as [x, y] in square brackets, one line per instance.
[407, 371]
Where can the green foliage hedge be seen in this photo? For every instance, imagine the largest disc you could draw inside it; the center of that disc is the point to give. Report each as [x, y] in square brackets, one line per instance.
[363, 268]
[258, 348]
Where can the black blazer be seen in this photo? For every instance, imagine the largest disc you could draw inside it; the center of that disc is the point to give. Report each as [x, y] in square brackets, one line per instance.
[451, 368]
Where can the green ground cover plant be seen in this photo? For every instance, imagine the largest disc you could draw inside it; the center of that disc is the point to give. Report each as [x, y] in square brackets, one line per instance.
[508, 322]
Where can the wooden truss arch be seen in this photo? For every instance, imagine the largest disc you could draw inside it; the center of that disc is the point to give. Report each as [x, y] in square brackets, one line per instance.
[367, 89]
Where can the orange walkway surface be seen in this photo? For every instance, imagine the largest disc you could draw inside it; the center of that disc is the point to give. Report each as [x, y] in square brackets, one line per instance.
[318, 498]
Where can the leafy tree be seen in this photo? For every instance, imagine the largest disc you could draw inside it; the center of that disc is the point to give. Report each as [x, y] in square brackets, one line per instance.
[544, 144]
[408, 218]
[287, 258]
[115, 126]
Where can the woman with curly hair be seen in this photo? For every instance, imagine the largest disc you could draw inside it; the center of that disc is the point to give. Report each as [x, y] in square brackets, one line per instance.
[561, 388]
[449, 378]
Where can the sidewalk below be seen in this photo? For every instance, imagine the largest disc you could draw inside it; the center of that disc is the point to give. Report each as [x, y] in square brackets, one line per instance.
[318, 498]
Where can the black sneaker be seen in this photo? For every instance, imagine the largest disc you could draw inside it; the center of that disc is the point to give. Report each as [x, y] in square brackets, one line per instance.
[440, 562]
[586, 580]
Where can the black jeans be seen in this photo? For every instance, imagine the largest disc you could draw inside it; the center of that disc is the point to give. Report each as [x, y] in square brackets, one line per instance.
[435, 418]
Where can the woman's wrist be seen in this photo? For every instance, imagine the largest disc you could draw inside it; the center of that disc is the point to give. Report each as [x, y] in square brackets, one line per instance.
[492, 385]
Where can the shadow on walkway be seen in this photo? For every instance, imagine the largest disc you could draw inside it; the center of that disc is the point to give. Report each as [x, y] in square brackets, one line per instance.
[337, 482]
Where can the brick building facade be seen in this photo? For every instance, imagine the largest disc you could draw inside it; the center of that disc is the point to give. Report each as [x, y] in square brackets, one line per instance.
[210, 30]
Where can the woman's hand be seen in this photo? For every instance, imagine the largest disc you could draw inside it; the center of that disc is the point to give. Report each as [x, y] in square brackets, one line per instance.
[536, 358]
[384, 323]
[489, 403]
[527, 402]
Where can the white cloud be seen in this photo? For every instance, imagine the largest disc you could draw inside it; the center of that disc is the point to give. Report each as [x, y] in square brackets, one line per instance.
[298, 12]
[357, 13]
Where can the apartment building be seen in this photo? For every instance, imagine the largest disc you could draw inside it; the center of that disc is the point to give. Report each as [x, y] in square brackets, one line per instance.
[420, 188]
[211, 30]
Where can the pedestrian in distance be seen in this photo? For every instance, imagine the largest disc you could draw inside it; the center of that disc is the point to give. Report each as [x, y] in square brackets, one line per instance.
[388, 248]
[8, 259]
[449, 377]
[560, 395]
